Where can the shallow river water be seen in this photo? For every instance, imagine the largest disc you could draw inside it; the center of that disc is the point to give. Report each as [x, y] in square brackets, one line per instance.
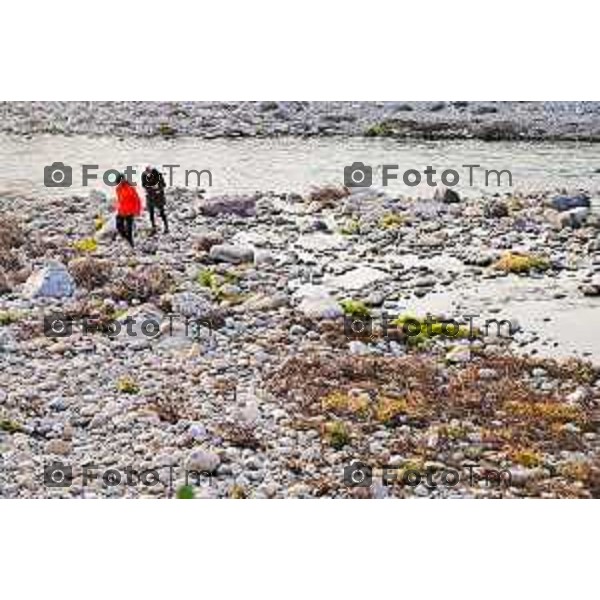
[292, 164]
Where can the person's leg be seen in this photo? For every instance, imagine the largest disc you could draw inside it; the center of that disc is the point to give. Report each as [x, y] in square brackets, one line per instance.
[150, 204]
[129, 225]
[163, 216]
[120, 224]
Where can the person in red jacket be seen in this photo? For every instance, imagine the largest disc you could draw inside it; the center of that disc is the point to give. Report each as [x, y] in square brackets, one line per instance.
[128, 206]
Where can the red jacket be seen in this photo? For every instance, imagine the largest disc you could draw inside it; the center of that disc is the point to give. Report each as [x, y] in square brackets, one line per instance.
[128, 202]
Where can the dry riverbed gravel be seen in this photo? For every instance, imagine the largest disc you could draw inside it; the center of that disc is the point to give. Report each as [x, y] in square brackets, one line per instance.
[273, 396]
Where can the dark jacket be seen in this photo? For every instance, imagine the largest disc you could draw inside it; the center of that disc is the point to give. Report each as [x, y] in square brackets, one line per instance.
[154, 184]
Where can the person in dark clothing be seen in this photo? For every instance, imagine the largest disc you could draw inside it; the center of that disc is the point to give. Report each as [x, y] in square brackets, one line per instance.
[154, 184]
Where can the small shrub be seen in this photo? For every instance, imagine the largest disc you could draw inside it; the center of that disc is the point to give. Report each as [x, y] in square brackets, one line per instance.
[513, 262]
[10, 426]
[527, 458]
[238, 493]
[389, 409]
[340, 403]
[90, 272]
[166, 130]
[578, 470]
[328, 195]
[86, 245]
[8, 317]
[143, 284]
[12, 234]
[383, 129]
[127, 385]
[171, 406]
[336, 434]
[548, 412]
[240, 436]
[351, 227]
[430, 328]
[207, 278]
[185, 492]
[391, 221]
[355, 308]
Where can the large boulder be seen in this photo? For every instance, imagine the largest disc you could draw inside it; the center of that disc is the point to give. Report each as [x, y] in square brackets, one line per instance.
[573, 218]
[562, 203]
[231, 253]
[242, 206]
[52, 281]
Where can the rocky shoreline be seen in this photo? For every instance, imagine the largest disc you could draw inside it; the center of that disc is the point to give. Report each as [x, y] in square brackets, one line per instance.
[534, 121]
[274, 395]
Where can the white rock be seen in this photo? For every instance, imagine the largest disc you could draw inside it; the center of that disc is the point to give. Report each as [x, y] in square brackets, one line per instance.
[320, 307]
[197, 431]
[577, 397]
[203, 461]
[359, 348]
[250, 413]
[356, 279]
[322, 241]
[232, 254]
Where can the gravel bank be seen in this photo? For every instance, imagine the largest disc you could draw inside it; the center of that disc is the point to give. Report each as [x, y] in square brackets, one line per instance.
[420, 120]
[274, 396]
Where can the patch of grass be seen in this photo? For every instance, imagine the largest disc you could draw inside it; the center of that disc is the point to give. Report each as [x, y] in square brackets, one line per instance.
[166, 130]
[355, 308]
[340, 403]
[8, 317]
[452, 432]
[336, 434]
[86, 245]
[208, 279]
[512, 262]
[351, 227]
[418, 331]
[548, 412]
[389, 409]
[382, 129]
[238, 492]
[10, 426]
[391, 220]
[578, 470]
[127, 385]
[527, 458]
[185, 492]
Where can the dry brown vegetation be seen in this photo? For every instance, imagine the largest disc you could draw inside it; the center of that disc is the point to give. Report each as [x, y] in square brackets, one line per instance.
[90, 272]
[501, 421]
[143, 283]
[328, 195]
